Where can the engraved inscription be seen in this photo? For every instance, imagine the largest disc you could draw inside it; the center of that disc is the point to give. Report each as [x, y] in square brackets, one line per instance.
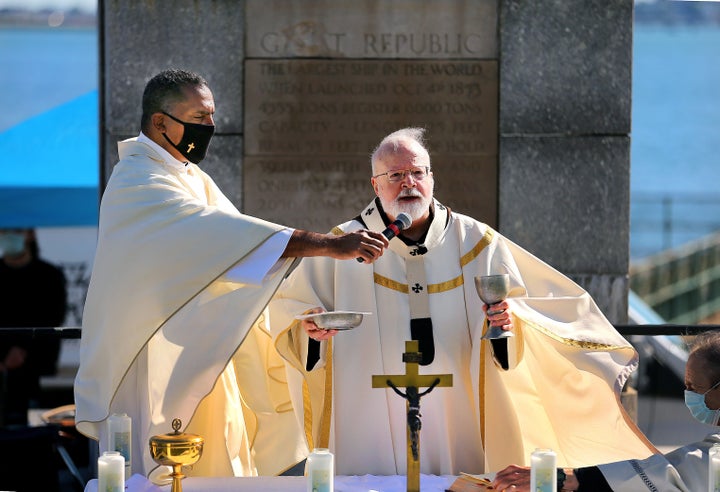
[418, 44]
[311, 38]
[317, 193]
[351, 104]
[372, 29]
[302, 191]
[310, 126]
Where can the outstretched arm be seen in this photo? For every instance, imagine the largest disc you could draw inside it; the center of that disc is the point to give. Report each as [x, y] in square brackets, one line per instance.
[365, 244]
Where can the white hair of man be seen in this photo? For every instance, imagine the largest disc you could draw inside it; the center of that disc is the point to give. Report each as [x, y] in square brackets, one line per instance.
[391, 143]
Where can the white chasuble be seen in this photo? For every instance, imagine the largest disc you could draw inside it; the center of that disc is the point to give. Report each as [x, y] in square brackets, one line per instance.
[567, 363]
[163, 323]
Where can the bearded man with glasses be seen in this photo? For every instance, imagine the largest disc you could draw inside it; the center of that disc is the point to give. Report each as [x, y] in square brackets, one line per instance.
[566, 363]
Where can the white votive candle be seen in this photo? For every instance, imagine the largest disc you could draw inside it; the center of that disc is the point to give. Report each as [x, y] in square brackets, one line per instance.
[543, 474]
[111, 472]
[714, 468]
[320, 470]
[120, 437]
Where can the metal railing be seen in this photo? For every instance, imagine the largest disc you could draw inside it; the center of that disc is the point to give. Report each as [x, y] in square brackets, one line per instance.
[625, 330]
[682, 285]
[662, 221]
[32, 332]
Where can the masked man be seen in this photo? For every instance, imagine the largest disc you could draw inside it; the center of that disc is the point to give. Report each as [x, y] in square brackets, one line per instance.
[179, 283]
[567, 364]
[684, 469]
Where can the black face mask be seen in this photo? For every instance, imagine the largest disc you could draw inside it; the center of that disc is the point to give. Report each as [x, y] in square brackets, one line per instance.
[195, 140]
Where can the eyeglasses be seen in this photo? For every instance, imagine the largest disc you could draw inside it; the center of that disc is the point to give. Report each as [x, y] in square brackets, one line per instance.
[417, 173]
[712, 388]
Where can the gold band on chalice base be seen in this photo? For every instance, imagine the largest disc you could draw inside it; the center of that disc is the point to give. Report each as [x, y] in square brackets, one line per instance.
[176, 450]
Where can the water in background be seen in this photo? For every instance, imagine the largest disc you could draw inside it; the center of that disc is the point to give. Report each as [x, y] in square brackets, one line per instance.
[41, 68]
[675, 170]
[675, 126]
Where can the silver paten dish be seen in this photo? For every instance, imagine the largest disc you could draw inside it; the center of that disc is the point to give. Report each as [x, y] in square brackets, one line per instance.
[335, 320]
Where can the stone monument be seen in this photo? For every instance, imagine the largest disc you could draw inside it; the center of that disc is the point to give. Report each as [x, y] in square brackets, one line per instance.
[527, 106]
[326, 80]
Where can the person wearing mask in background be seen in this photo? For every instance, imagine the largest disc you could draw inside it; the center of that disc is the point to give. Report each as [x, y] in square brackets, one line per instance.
[684, 469]
[566, 364]
[172, 326]
[32, 294]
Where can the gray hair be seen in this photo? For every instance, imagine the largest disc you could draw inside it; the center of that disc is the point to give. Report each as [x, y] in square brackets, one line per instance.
[707, 347]
[391, 143]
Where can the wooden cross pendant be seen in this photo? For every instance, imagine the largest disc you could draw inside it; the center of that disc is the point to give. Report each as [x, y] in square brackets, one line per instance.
[411, 380]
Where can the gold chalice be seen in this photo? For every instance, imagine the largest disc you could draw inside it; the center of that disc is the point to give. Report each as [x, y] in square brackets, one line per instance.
[176, 449]
[493, 289]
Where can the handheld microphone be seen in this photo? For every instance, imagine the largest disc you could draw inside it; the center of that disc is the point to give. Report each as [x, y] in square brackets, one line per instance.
[403, 221]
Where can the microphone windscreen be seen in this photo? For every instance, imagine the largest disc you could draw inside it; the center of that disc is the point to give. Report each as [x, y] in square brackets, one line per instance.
[405, 220]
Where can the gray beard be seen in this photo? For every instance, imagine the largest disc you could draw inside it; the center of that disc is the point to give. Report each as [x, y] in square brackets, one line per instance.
[415, 210]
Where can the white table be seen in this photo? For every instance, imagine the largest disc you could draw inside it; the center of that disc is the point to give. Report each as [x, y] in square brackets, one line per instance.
[365, 483]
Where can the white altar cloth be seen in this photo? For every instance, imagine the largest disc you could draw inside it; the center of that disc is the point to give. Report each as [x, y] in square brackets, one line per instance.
[364, 483]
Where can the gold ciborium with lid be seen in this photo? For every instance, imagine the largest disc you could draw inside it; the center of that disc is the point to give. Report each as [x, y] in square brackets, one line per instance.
[176, 449]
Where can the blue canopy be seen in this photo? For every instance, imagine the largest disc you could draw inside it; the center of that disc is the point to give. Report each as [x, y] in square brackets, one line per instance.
[50, 167]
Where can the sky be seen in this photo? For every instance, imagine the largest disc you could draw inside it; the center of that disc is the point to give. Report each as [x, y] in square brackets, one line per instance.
[86, 5]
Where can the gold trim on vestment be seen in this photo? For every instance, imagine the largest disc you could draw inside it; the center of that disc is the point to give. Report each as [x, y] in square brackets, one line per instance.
[481, 389]
[447, 285]
[326, 416]
[572, 343]
[390, 284]
[432, 288]
[307, 400]
[481, 245]
[454, 283]
[307, 415]
[464, 260]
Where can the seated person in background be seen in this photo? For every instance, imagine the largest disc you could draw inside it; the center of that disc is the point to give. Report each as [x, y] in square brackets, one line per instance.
[684, 469]
[32, 295]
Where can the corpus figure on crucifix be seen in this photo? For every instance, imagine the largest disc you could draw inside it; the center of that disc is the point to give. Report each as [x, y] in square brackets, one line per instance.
[411, 380]
[413, 416]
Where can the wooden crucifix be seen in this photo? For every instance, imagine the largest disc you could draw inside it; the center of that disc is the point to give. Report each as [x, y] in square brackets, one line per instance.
[411, 381]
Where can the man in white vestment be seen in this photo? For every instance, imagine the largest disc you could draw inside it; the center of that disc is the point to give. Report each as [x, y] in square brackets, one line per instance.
[172, 326]
[684, 469]
[566, 363]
